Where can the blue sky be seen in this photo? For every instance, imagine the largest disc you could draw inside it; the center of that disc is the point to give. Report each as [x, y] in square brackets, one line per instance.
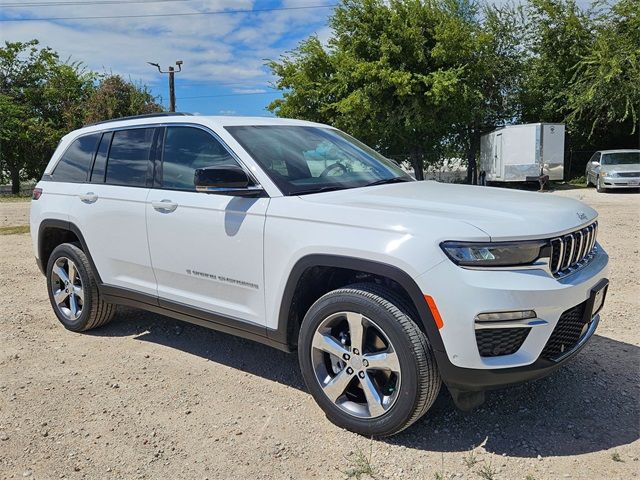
[223, 54]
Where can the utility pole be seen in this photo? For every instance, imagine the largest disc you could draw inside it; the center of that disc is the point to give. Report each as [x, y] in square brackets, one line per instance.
[172, 90]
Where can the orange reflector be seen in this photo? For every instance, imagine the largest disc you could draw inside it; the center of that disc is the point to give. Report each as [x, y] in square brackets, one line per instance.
[434, 311]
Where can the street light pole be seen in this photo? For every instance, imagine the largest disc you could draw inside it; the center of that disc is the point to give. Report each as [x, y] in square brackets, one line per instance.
[172, 90]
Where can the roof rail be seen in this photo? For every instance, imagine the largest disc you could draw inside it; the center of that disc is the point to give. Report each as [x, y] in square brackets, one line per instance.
[136, 117]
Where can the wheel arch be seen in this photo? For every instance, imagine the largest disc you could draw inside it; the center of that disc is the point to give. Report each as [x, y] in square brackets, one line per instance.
[54, 232]
[288, 324]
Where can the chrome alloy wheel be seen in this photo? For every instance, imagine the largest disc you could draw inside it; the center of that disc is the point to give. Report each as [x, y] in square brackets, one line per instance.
[66, 287]
[356, 365]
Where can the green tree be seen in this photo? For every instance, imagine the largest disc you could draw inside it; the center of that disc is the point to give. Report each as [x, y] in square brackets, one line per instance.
[42, 99]
[604, 97]
[408, 77]
[26, 129]
[116, 97]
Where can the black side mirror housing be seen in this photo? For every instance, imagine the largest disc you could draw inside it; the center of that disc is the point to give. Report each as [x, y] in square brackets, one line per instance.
[226, 180]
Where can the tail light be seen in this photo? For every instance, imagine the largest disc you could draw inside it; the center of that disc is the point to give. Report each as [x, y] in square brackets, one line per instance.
[37, 193]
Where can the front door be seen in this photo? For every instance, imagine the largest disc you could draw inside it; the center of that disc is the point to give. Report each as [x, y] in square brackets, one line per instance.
[206, 249]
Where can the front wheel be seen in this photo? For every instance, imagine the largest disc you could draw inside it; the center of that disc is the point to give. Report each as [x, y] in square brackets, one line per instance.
[600, 185]
[366, 362]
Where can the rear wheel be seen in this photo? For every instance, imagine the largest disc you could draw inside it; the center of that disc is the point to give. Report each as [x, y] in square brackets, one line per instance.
[366, 362]
[73, 290]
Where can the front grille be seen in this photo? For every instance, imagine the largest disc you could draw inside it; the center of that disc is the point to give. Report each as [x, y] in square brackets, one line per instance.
[493, 342]
[629, 174]
[567, 333]
[573, 249]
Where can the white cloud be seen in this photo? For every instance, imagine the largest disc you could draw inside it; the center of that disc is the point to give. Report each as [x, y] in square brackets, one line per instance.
[229, 48]
[249, 90]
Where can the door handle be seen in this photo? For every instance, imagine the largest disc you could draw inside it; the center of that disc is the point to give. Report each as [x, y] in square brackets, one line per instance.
[89, 197]
[164, 206]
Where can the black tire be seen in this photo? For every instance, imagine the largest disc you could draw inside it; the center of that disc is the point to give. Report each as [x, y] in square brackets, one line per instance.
[599, 188]
[95, 312]
[421, 381]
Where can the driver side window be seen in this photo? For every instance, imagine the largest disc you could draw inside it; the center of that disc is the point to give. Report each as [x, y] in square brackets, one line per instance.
[185, 150]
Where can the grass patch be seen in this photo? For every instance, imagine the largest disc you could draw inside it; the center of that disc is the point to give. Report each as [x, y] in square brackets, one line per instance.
[360, 465]
[14, 230]
[14, 198]
[470, 459]
[486, 472]
[578, 181]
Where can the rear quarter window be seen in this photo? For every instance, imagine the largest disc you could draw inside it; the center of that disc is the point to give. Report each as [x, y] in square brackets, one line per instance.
[76, 161]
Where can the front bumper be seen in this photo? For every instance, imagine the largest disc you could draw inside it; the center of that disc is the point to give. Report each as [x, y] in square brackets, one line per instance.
[621, 182]
[461, 294]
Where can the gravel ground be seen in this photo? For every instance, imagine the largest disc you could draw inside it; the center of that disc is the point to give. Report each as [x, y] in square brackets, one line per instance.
[150, 397]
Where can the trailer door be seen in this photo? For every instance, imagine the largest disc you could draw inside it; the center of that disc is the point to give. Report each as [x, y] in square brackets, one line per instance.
[497, 155]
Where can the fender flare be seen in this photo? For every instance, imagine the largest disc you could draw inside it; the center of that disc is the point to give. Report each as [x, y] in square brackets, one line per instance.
[369, 266]
[70, 227]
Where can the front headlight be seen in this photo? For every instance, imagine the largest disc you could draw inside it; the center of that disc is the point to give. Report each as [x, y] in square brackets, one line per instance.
[609, 173]
[503, 254]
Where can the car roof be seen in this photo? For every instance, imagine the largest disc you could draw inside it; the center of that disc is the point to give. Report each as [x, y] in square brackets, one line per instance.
[209, 121]
[621, 150]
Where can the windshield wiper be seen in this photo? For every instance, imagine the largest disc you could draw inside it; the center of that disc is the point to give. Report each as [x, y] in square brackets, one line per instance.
[385, 181]
[328, 188]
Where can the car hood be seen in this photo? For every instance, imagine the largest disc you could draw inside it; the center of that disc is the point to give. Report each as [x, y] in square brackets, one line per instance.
[503, 214]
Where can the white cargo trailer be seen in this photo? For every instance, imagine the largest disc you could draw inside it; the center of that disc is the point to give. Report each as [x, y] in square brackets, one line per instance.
[520, 153]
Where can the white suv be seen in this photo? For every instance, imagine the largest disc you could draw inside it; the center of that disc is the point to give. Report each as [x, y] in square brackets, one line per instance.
[296, 235]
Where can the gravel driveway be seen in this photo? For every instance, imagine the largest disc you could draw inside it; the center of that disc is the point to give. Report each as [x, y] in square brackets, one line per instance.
[150, 397]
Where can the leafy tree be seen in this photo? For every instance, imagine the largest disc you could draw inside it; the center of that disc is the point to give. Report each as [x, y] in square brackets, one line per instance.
[407, 77]
[42, 99]
[116, 97]
[25, 132]
[604, 96]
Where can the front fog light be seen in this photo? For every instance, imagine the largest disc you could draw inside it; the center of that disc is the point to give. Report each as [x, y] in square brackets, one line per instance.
[504, 316]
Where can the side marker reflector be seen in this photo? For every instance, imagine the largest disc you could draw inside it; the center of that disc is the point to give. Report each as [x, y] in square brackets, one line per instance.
[434, 311]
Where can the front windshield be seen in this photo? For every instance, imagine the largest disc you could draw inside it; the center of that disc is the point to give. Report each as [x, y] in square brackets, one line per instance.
[301, 159]
[621, 158]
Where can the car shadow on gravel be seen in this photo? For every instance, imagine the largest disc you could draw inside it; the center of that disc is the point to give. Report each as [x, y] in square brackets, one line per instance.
[229, 350]
[589, 405]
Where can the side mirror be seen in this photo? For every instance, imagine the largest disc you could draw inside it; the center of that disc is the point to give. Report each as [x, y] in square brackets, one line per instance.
[226, 180]
[595, 163]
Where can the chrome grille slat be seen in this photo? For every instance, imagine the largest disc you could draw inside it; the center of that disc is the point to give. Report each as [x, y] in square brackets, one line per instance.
[573, 250]
[576, 254]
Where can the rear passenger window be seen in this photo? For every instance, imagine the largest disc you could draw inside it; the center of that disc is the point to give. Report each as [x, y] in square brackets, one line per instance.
[97, 174]
[76, 161]
[129, 157]
[188, 148]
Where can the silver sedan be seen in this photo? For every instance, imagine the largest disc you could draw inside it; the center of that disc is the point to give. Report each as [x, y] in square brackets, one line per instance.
[609, 169]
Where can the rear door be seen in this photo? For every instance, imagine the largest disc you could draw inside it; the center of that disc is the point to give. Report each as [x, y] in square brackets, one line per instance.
[206, 249]
[110, 208]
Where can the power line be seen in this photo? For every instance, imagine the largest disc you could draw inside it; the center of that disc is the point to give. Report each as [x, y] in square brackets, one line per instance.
[212, 12]
[83, 2]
